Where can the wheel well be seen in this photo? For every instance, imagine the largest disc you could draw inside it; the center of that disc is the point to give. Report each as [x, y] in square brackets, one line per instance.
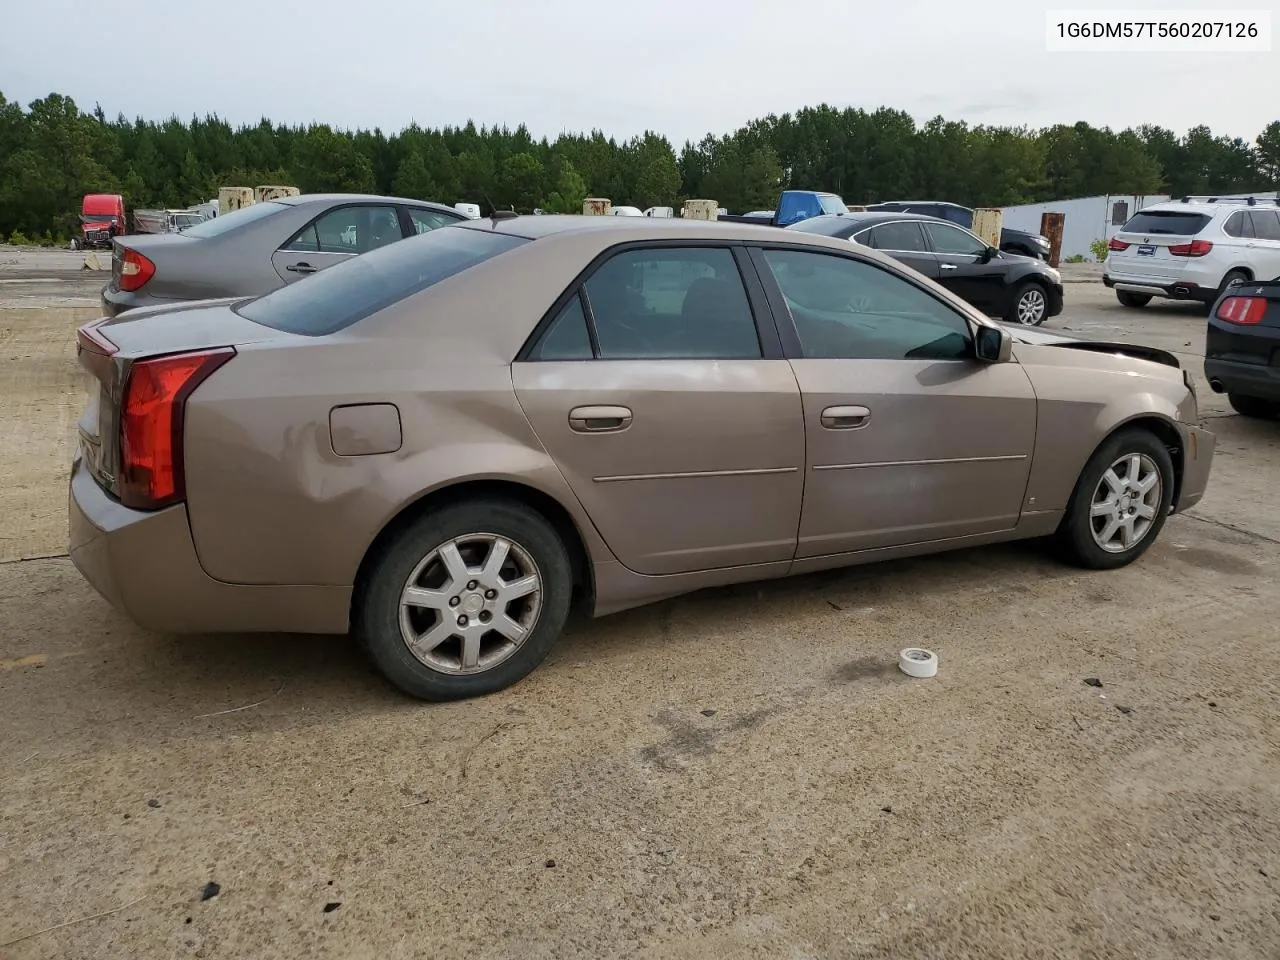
[1167, 434]
[1245, 270]
[546, 506]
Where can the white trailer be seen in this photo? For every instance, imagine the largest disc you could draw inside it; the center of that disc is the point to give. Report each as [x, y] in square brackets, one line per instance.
[1086, 219]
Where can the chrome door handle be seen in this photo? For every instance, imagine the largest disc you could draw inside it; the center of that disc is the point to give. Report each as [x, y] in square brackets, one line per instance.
[845, 418]
[301, 268]
[947, 266]
[599, 419]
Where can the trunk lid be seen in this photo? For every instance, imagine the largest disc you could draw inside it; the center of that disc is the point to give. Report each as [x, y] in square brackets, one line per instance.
[108, 348]
[154, 246]
[1147, 238]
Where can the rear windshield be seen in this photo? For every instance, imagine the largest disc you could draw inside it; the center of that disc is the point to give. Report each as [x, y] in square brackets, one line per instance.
[356, 288]
[1168, 222]
[235, 219]
[827, 226]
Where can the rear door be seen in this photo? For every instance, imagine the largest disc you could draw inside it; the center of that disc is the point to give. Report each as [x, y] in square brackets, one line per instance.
[659, 387]
[909, 438]
[964, 267]
[336, 235]
[904, 241]
[1140, 250]
[1264, 248]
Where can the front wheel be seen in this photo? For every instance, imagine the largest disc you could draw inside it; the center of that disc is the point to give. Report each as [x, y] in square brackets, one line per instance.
[1120, 502]
[465, 600]
[1132, 300]
[1253, 406]
[1029, 306]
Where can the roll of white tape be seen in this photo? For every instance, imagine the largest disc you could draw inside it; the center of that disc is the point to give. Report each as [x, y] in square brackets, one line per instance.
[915, 662]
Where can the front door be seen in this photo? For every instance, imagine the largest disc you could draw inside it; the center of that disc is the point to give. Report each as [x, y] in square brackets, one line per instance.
[909, 438]
[336, 235]
[651, 391]
[964, 267]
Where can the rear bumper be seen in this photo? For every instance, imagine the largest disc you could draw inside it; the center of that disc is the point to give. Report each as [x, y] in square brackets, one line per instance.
[1177, 290]
[145, 565]
[1198, 450]
[1247, 379]
[116, 302]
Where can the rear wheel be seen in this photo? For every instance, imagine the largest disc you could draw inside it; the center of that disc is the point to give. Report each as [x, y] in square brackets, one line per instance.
[1134, 300]
[1253, 406]
[466, 600]
[1120, 502]
[1029, 306]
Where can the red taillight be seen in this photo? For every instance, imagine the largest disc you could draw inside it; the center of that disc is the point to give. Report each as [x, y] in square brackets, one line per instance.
[1196, 248]
[151, 419]
[1117, 244]
[135, 270]
[1242, 310]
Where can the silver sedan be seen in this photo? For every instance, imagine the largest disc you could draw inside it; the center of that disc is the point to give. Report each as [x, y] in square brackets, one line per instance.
[261, 248]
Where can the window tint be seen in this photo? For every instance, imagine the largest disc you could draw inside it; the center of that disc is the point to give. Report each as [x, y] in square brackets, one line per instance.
[853, 310]
[424, 220]
[351, 290]
[1238, 225]
[904, 235]
[1266, 224]
[357, 229]
[236, 219]
[672, 302]
[952, 240]
[1167, 223]
[567, 337]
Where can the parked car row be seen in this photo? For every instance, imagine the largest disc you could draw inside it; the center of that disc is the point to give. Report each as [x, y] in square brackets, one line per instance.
[445, 442]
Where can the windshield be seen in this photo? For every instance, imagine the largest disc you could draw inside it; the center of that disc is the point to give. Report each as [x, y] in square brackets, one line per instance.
[1176, 222]
[831, 204]
[235, 219]
[98, 217]
[356, 288]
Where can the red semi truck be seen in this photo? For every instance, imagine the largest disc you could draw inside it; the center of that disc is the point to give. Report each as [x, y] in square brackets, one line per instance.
[101, 219]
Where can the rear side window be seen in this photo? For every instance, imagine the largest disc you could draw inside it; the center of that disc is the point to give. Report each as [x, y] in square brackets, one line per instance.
[1176, 223]
[1238, 225]
[1266, 224]
[235, 220]
[902, 236]
[351, 290]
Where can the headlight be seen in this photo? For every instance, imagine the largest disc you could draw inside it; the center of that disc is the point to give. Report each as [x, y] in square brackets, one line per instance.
[1043, 241]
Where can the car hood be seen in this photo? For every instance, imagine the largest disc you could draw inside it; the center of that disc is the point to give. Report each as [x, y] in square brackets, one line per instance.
[1136, 351]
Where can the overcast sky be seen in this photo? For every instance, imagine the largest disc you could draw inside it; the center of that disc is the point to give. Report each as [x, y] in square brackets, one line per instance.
[680, 67]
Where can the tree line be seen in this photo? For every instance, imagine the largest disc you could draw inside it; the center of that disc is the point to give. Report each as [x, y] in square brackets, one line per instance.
[53, 152]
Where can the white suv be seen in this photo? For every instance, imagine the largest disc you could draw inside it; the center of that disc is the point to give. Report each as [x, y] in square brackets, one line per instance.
[1193, 249]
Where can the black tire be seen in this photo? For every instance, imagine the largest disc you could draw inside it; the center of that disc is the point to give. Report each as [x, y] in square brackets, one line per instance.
[1075, 534]
[1133, 300]
[1027, 288]
[376, 619]
[1232, 277]
[1253, 406]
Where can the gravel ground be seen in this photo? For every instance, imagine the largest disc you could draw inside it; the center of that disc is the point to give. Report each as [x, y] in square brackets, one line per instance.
[739, 773]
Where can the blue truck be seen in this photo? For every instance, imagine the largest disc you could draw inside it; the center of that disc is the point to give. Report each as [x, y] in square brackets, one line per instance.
[793, 206]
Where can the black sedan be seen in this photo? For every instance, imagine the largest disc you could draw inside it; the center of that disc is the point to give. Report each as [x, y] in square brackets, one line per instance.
[1242, 348]
[1014, 288]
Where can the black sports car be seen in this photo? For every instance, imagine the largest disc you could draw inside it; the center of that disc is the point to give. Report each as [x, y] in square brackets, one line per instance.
[1242, 347]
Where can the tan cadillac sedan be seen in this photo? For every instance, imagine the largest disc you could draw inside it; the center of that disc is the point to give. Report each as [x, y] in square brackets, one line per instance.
[443, 444]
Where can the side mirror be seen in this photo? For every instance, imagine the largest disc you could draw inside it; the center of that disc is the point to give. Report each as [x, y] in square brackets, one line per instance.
[990, 254]
[993, 345]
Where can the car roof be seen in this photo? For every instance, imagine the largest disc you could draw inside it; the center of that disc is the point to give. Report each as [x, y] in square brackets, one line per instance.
[359, 198]
[625, 228]
[1211, 206]
[872, 217]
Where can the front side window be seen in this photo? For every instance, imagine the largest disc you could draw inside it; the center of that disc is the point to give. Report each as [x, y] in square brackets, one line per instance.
[954, 241]
[848, 309]
[672, 302]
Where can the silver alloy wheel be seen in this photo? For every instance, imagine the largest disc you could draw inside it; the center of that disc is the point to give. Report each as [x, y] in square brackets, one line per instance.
[470, 604]
[1031, 307]
[1125, 502]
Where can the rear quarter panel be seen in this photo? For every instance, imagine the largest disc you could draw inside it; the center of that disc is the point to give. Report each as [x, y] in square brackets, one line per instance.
[1082, 398]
